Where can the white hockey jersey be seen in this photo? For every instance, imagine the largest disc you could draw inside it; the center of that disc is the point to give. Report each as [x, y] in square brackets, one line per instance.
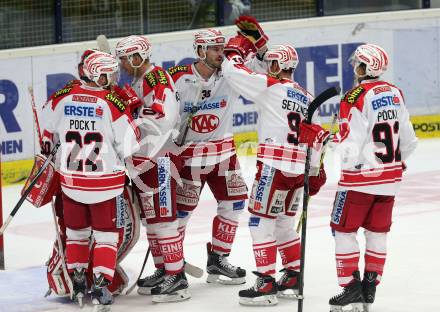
[158, 117]
[282, 105]
[375, 136]
[96, 136]
[209, 107]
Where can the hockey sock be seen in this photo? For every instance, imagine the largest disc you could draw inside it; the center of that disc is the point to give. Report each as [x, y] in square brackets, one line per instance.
[223, 234]
[77, 248]
[375, 253]
[104, 253]
[290, 253]
[155, 250]
[347, 256]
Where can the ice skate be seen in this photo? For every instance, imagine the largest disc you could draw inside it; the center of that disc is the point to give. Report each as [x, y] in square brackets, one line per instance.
[288, 284]
[221, 271]
[173, 288]
[146, 284]
[79, 286]
[369, 288]
[102, 298]
[263, 293]
[351, 298]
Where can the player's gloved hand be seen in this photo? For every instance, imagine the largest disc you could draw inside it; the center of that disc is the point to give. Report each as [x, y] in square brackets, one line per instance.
[250, 28]
[129, 96]
[239, 45]
[312, 134]
[316, 182]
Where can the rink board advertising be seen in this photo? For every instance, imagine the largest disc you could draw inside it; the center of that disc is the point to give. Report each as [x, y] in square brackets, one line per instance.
[324, 47]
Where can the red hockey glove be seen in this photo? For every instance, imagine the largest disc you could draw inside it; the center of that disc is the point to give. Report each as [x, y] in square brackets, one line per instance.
[129, 96]
[249, 27]
[312, 134]
[316, 182]
[239, 45]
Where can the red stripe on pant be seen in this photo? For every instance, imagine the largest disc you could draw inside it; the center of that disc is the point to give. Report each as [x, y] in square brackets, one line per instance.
[77, 252]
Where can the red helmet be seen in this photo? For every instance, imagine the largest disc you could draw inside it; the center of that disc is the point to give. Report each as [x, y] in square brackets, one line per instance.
[208, 37]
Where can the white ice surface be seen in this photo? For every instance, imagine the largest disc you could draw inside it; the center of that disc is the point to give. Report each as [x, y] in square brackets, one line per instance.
[410, 282]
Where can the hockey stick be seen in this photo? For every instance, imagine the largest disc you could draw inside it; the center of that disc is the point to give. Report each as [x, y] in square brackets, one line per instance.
[130, 289]
[34, 110]
[103, 44]
[320, 99]
[29, 189]
[325, 145]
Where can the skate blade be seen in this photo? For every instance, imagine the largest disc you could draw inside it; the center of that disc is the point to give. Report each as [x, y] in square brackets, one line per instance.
[144, 291]
[193, 270]
[352, 307]
[80, 300]
[288, 294]
[268, 300]
[224, 280]
[179, 295]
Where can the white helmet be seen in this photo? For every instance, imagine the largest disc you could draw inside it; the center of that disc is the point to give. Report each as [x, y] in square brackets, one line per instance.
[101, 63]
[134, 44]
[374, 57]
[208, 37]
[285, 55]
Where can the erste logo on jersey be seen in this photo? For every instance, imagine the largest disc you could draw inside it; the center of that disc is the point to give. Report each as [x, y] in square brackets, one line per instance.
[215, 103]
[293, 94]
[204, 123]
[390, 100]
[84, 111]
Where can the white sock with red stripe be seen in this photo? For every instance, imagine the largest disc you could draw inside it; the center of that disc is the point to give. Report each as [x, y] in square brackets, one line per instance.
[264, 244]
[104, 253]
[288, 242]
[375, 253]
[347, 256]
[155, 249]
[77, 248]
[171, 246]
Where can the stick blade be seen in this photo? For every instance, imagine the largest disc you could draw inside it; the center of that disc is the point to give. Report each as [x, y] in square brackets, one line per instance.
[102, 43]
[321, 98]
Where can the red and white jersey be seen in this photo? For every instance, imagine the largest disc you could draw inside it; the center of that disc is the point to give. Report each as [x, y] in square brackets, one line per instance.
[209, 139]
[96, 136]
[375, 136]
[282, 105]
[158, 117]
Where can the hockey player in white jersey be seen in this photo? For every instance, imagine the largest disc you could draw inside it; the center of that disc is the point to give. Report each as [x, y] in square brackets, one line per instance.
[96, 136]
[275, 194]
[375, 138]
[208, 151]
[155, 168]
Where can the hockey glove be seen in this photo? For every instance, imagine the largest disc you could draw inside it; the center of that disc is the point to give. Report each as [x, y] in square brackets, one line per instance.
[129, 96]
[249, 27]
[316, 182]
[312, 134]
[239, 45]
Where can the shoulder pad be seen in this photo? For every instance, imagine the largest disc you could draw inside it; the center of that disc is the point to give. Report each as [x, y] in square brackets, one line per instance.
[352, 95]
[113, 98]
[156, 77]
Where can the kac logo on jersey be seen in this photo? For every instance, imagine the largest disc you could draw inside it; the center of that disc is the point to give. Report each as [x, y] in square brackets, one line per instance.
[204, 123]
[164, 179]
[338, 208]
